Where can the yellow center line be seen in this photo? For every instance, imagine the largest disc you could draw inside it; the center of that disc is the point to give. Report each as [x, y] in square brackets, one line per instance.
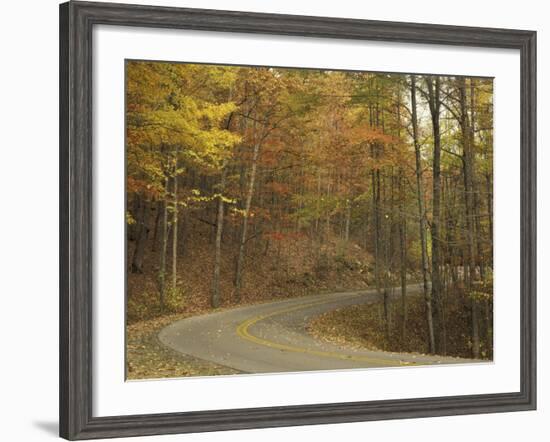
[243, 332]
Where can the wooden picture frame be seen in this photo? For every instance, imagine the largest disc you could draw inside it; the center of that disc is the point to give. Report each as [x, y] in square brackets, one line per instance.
[76, 243]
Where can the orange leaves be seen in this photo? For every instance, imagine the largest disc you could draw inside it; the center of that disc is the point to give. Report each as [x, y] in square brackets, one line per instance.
[275, 236]
[364, 133]
[141, 186]
[278, 188]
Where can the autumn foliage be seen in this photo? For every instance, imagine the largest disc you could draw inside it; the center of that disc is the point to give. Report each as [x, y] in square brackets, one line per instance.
[250, 181]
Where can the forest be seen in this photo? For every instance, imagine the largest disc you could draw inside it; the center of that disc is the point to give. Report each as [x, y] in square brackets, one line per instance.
[246, 184]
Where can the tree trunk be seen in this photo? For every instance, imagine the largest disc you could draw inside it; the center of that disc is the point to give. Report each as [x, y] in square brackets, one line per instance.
[175, 202]
[468, 163]
[375, 177]
[215, 297]
[141, 237]
[422, 218]
[318, 214]
[402, 235]
[434, 105]
[476, 202]
[348, 220]
[377, 238]
[387, 316]
[162, 269]
[158, 215]
[250, 193]
[327, 219]
[403, 263]
[489, 190]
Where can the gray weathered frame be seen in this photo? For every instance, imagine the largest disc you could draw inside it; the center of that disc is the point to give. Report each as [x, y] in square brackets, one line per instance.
[76, 243]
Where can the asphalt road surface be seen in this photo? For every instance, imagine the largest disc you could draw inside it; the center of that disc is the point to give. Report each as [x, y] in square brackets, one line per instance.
[272, 337]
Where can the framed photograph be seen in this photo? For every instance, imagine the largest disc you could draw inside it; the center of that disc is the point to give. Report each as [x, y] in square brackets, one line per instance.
[271, 220]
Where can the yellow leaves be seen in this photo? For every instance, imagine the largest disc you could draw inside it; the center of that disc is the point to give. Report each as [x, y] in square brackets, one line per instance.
[227, 200]
[195, 196]
[173, 106]
[129, 218]
[214, 113]
[237, 212]
[480, 296]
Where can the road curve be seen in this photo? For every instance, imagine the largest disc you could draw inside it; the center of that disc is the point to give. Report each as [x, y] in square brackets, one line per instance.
[272, 337]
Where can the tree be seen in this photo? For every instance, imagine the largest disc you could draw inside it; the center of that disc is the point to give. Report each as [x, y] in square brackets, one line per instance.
[320, 178]
[433, 86]
[173, 123]
[267, 110]
[422, 217]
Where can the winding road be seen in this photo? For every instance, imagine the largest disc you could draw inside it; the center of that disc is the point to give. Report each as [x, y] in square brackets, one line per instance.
[272, 337]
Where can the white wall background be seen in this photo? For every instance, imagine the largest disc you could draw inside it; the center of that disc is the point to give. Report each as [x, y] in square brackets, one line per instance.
[28, 219]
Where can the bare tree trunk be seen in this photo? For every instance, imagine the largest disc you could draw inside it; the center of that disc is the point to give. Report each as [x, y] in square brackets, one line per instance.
[348, 220]
[318, 215]
[327, 220]
[175, 202]
[162, 269]
[141, 237]
[377, 238]
[215, 297]
[477, 224]
[250, 193]
[158, 215]
[489, 190]
[476, 202]
[402, 235]
[435, 104]
[403, 264]
[468, 163]
[422, 218]
[387, 325]
[375, 203]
